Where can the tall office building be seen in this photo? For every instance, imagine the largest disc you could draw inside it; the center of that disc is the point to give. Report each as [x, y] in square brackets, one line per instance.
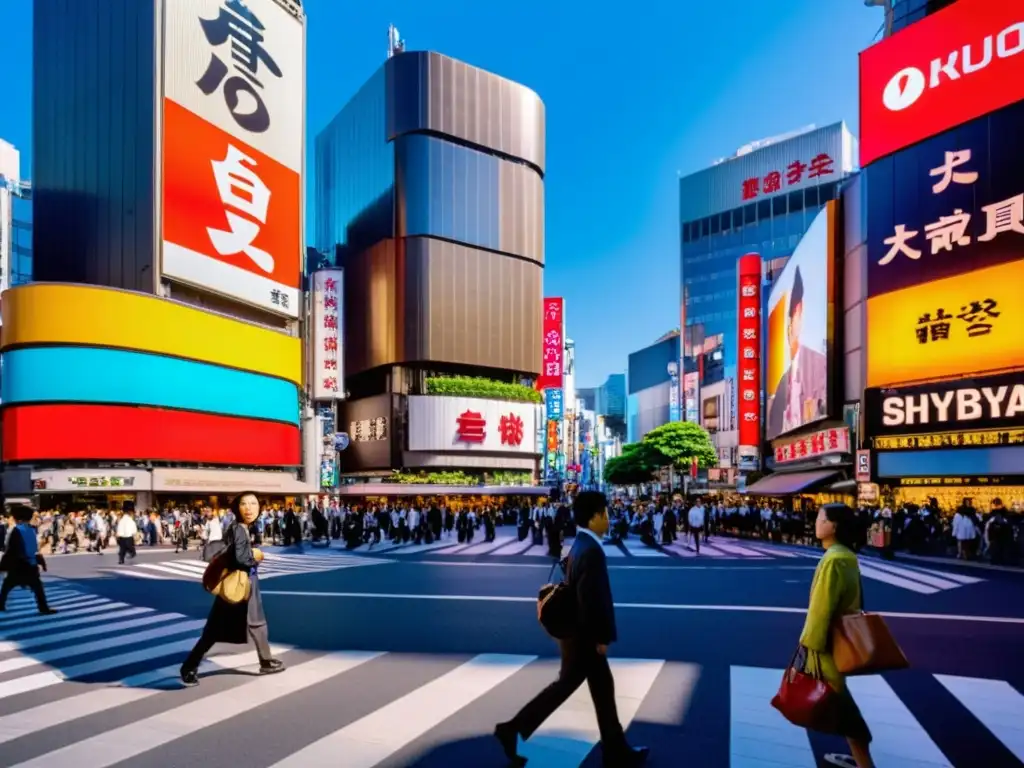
[761, 200]
[430, 196]
[649, 385]
[15, 220]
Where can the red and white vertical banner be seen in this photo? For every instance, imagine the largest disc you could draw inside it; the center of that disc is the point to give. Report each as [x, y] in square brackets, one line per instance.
[328, 360]
[552, 369]
[748, 387]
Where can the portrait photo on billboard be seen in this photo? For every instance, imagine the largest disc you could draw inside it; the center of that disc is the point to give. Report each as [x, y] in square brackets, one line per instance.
[797, 384]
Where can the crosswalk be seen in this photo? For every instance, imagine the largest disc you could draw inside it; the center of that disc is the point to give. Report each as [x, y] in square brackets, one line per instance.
[912, 578]
[274, 564]
[95, 686]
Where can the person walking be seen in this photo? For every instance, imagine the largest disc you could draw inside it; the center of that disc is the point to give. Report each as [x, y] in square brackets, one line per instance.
[22, 560]
[835, 591]
[584, 654]
[237, 622]
[125, 531]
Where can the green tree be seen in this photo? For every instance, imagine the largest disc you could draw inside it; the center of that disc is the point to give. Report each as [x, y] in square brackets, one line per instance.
[678, 443]
[634, 466]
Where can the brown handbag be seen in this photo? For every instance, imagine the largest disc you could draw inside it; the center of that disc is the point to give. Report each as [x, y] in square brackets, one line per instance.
[863, 645]
[230, 586]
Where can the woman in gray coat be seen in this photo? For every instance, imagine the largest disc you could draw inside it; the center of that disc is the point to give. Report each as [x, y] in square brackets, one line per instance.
[237, 622]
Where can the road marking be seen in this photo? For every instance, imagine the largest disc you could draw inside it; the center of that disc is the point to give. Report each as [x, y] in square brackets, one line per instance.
[759, 736]
[102, 629]
[96, 700]
[916, 575]
[515, 548]
[486, 547]
[997, 704]
[63, 622]
[20, 662]
[568, 736]
[120, 744]
[642, 606]
[899, 740]
[896, 581]
[98, 605]
[637, 548]
[373, 738]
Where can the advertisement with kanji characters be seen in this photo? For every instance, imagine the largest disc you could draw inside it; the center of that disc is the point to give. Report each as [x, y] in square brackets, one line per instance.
[949, 205]
[748, 388]
[438, 423]
[327, 335]
[797, 387]
[233, 144]
[552, 367]
[958, 64]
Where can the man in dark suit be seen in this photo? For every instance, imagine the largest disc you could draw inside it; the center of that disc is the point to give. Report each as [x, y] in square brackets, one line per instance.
[584, 654]
[802, 394]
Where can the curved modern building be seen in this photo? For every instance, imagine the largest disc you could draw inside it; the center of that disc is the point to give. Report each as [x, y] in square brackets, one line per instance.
[430, 196]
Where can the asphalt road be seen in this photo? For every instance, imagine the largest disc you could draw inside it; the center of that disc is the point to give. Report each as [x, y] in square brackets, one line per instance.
[409, 658]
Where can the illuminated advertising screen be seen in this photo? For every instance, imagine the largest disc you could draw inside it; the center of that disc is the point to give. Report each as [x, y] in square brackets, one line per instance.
[945, 239]
[797, 385]
[233, 142]
[956, 65]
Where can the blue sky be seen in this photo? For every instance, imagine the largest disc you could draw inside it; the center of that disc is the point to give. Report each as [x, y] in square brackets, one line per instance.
[633, 98]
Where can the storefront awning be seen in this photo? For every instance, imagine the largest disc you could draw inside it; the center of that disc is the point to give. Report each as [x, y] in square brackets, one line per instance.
[412, 489]
[787, 483]
[229, 481]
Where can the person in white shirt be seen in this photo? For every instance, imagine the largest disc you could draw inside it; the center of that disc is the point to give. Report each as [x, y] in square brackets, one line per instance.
[696, 520]
[126, 530]
[965, 531]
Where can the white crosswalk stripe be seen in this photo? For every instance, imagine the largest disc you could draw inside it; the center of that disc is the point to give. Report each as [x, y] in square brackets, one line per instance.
[275, 564]
[430, 704]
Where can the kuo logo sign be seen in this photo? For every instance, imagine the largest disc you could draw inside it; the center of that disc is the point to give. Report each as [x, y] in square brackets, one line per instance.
[954, 66]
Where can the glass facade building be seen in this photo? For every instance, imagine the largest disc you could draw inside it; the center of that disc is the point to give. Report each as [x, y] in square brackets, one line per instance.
[21, 239]
[906, 12]
[430, 193]
[760, 201]
[649, 386]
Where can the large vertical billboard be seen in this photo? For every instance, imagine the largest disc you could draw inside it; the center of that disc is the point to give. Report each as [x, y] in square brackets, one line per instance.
[327, 335]
[956, 65]
[945, 232]
[748, 390]
[233, 145]
[799, 305]
[552, 371]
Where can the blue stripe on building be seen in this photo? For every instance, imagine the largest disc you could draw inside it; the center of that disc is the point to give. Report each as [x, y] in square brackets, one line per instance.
[93, 375]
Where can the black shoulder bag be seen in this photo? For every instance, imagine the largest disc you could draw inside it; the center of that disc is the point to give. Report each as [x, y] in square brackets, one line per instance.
[556, 606]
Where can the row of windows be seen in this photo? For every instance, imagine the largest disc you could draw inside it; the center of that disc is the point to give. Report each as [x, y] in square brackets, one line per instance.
[752, 213]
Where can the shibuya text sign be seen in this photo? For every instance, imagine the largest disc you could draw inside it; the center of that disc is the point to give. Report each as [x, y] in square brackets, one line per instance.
[956, 65]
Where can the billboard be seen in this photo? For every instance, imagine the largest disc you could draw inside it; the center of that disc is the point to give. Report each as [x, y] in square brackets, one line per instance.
[982, 403]
[945, 231]
[956, 65]
[799, 305]
[748, 393]
[233, 145]
[553, 401]
[552, 370]
[327, 336]
[438, 423]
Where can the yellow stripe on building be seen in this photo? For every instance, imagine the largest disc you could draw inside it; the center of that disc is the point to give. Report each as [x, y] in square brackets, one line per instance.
[59, 313]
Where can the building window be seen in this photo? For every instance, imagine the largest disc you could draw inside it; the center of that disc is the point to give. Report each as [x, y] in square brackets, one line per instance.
[811, 198]
[764, 210]
[750, 213]
[705, 227]
[779, 206]
[826, 192]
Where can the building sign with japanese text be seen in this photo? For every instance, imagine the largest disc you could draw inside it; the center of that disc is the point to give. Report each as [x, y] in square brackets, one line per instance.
[985, 438]
[821, 443]
[956, 65]
[368, 430]
[863, 468]
[981, 403]
[233, 129]
[817, 169]
[748, 384]
[950, 205]
[553, 401]
[440, 423]
[552, 371]
[327, 335]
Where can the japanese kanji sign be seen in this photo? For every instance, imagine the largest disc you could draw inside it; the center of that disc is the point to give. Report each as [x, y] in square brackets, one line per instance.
[950, 205]
[442, 423]
[232, 153]
[326, 336]
[956, 326]
[826, 441]
[817, 169]
[748, 386]
[552, 370]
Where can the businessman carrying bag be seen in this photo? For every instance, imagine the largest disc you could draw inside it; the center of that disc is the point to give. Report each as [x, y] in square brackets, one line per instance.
[584, 650]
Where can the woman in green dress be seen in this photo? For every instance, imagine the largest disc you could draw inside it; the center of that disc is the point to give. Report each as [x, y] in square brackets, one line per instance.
[835, 591]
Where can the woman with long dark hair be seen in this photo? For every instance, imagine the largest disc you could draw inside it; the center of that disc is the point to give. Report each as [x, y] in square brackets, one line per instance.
[836, 591]
[237, 622]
